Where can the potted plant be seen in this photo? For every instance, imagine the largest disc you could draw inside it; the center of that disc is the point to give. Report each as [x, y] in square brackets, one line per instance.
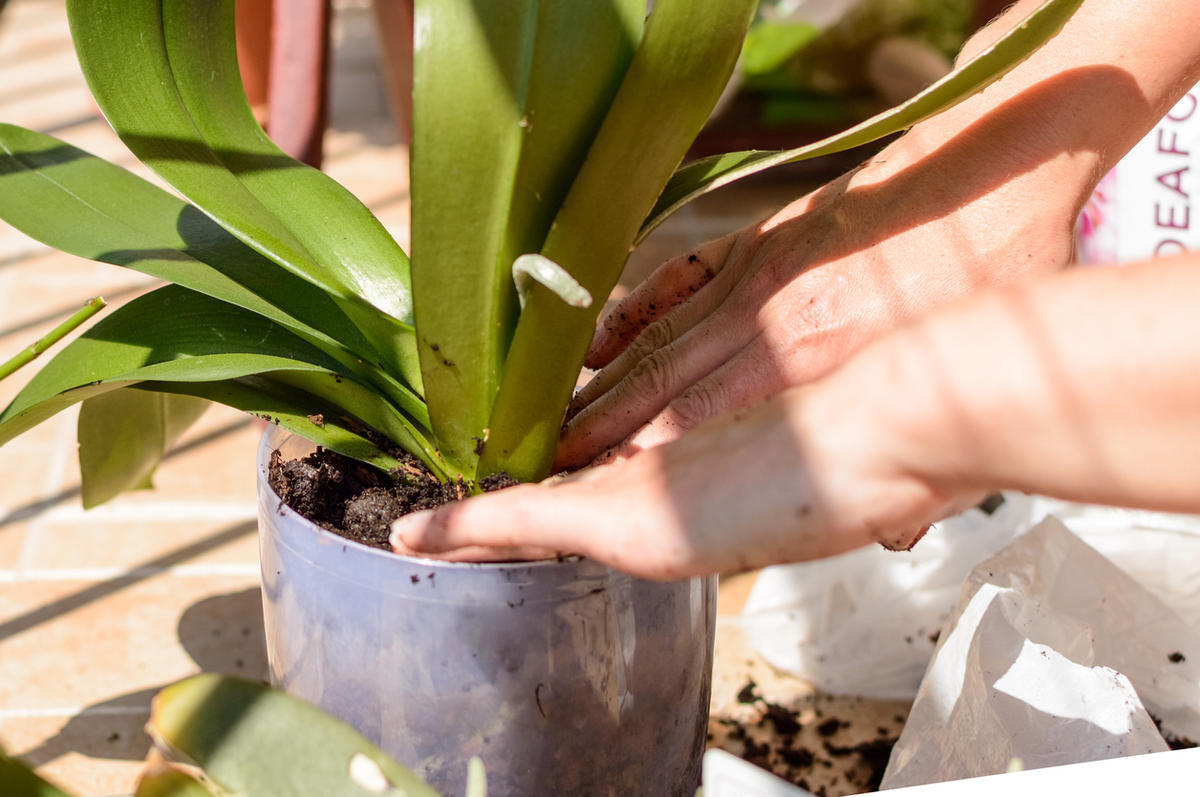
[546, 142]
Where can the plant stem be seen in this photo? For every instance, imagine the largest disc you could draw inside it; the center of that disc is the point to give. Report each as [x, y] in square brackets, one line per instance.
[29, 354]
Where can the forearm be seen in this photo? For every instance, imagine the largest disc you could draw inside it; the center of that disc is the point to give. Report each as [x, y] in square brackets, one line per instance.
[1031, 147]
[1084, 385]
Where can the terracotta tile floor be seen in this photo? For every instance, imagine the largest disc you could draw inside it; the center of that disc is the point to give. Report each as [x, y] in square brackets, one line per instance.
[99, 609]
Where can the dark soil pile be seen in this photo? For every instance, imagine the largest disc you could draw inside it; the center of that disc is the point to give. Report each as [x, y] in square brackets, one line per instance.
[805, 745]
[357, 501]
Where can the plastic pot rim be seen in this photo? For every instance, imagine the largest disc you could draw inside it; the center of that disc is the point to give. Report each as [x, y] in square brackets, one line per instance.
[274, 437]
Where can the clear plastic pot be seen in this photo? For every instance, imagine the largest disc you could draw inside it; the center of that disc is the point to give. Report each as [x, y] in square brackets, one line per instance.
[565, 677]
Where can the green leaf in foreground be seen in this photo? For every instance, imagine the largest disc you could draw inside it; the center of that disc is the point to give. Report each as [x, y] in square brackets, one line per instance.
[254, 741]
[17, 780]
[164, 781]
[707, 174]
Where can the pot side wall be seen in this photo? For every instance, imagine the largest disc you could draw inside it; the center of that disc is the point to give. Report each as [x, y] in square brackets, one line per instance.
[565, 677]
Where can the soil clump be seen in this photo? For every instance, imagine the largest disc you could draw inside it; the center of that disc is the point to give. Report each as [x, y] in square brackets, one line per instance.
[357, 501]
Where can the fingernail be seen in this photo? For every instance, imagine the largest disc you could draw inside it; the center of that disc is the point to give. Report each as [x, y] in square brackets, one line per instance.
[408, 532]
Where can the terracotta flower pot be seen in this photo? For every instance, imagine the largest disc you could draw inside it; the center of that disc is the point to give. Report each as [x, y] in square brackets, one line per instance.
[565, 677]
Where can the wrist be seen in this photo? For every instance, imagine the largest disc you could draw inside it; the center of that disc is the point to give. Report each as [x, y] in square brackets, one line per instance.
[875, 452]
[1012, 185]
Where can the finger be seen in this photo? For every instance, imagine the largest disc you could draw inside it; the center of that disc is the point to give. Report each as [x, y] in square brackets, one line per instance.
[525, 518]
[751, 376]
[650, 385]
[658, 335]
[640, 533]
[477, 553]
[673, 283]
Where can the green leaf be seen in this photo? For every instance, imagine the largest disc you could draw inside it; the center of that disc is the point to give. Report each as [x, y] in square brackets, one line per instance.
[173, 335]
[165, 781]
[769, 44]
[707, 174]
[258, 742]
[123, 435]
[368, 408]
[78, 203]
[684, 60]
[335, 227]
[267, 397]
[123, 49]
[505, 106]
[169, 333]
[17, 780]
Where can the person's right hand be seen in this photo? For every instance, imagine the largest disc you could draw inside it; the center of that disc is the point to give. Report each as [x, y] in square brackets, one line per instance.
[979, 195]
[780, 303]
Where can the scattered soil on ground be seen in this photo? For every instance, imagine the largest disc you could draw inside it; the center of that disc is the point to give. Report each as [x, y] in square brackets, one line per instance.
[1173, 741]
[805, 742]
[357, 501]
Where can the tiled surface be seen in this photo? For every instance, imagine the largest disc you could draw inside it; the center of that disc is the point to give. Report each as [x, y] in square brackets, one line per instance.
[99, 609]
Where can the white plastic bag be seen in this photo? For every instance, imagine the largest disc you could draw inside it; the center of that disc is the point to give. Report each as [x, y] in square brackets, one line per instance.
[1054, 656]
[865, 623]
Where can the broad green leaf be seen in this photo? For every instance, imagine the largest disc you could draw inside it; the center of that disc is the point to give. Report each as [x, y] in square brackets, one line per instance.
[506, 100]
[170, 329]
[80, 204]
[367, 408]
[254, 741]
[163, 781]
[123, 435]
[122, 49]
[168, 335]
[176, 341]
[335, 227]
[18, 780]
[264, 396]
[707, 174]
[684, 60]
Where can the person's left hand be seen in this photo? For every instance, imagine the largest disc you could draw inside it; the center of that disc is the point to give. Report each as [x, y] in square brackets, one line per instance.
[804, 476]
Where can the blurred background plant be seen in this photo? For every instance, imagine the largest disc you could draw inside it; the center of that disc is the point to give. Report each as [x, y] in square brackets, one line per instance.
[809, 67]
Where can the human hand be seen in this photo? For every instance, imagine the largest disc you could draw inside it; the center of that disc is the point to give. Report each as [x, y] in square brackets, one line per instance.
[779, 304]
[805, 475]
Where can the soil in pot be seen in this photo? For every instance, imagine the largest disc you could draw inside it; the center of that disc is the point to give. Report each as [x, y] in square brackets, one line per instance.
[357, 501]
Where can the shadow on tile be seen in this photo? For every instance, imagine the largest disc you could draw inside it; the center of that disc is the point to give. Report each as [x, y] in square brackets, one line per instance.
[34, 508]
[222, 633]
[102, 589]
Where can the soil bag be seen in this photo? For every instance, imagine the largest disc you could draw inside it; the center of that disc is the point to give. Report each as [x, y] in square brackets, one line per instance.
[1054, 655]
[865, 623]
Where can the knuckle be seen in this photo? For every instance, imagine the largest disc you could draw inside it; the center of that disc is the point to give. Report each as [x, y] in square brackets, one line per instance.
[656, 336]
[654, 374]
[697, 404]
